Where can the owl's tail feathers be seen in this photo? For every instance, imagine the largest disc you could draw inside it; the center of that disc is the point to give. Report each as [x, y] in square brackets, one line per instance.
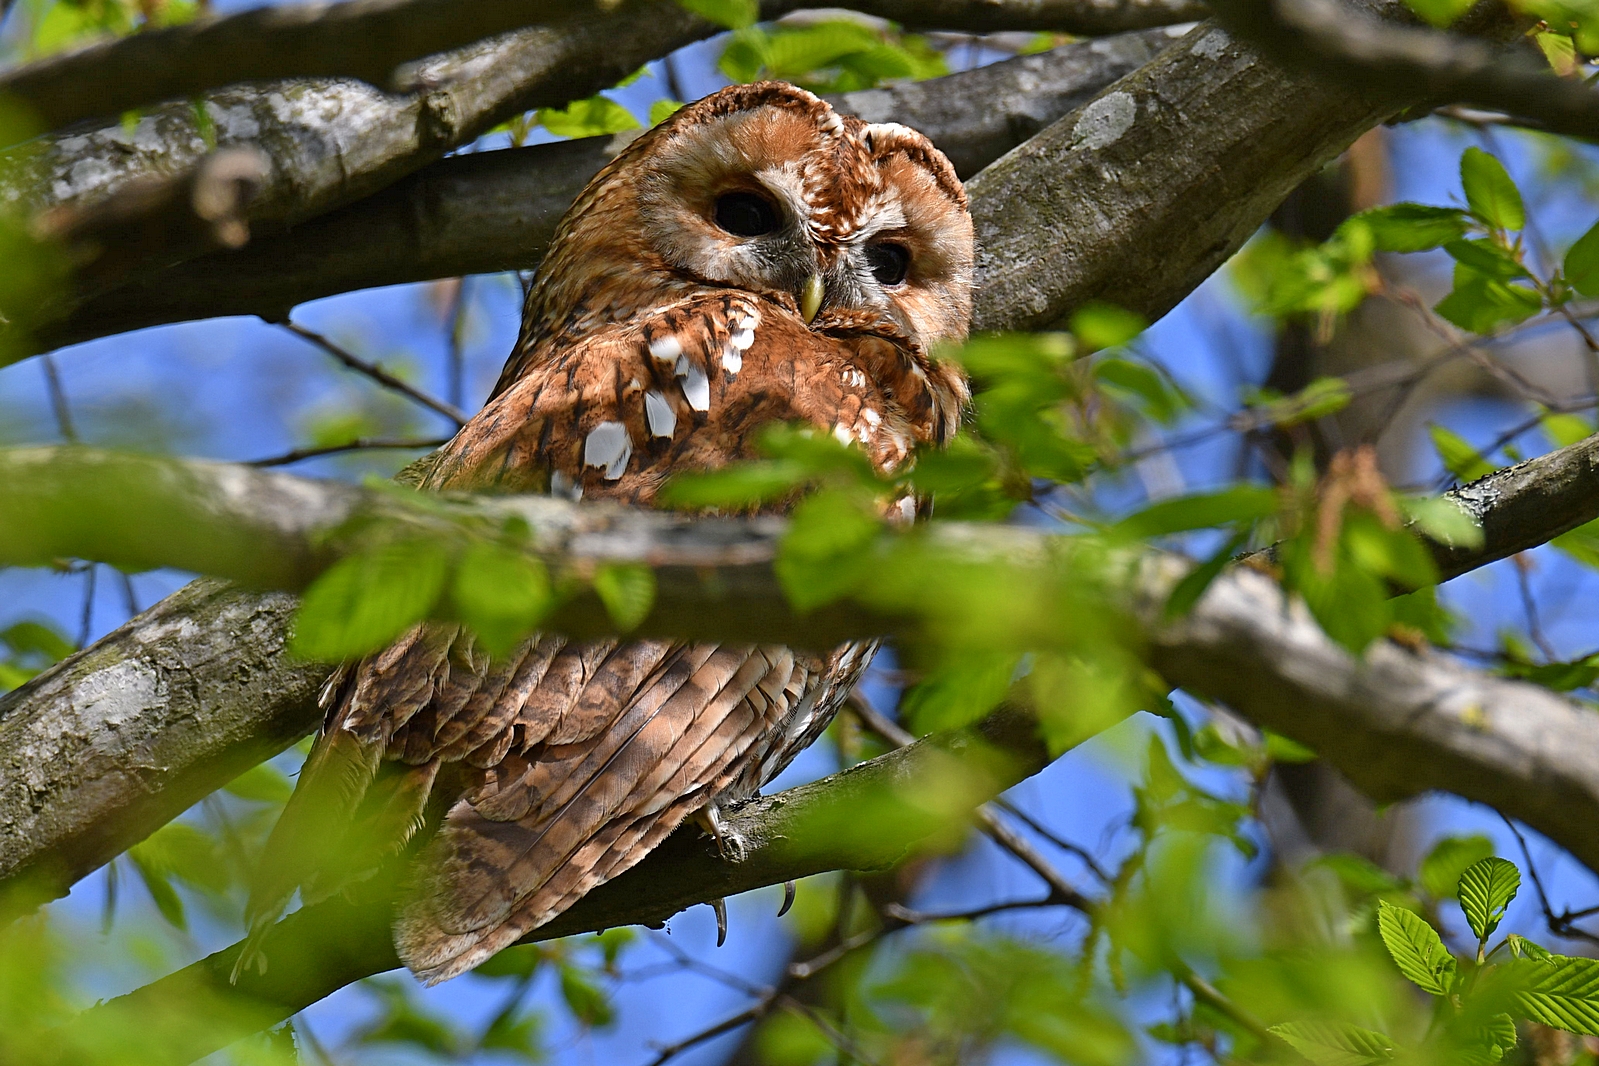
[313, 836]
[433, 934]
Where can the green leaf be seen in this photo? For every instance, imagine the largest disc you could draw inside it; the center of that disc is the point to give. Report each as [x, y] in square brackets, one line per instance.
[364, 601]
[1336, 1043]
[516, 1032]
[736, 485]
[1411, 227]
[959, 692]
[628, 592]
[1486, 889]
[1240, 503]
[1581, 268]
[1101, 325]
[1440, 13]
[594, 117]
[166, 898]
[1416, 948]
[1566, 430]
[1481, 304]
[36, 638]
[1492, 196]
[826, 550]
[1521, 947]
[1160, 397]
[1458, 455]
[264, 783]
[1560, 676]
[1443, 520]
[1560, 50]
[1439, 873]
[734, 14]
[1188, 591]
[661, 110]
[501, 593]
[1562, 992]
[586, 1000]
[1487, 259]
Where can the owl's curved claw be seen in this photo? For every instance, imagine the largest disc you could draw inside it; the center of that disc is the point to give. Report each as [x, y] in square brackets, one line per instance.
[720, 907]
[788, 898]
[729, 844]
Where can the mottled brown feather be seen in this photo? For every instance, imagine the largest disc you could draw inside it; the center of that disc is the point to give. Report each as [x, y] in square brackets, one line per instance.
[639, 358]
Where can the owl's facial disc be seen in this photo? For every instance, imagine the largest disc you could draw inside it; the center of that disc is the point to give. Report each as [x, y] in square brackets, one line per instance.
[767, 189]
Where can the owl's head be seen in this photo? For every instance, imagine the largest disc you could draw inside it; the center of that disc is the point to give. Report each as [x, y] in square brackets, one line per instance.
[766, 188]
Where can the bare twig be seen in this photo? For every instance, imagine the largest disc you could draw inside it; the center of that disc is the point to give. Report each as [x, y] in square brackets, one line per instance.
[359, 444]
[378, 374]
[1560, 925]
[58, 401]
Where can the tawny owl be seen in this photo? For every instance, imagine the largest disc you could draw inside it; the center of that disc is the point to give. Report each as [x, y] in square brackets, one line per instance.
[756, 257]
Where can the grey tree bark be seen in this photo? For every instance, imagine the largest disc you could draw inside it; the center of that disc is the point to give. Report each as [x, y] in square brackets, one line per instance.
[493, 211]
[1397, 722]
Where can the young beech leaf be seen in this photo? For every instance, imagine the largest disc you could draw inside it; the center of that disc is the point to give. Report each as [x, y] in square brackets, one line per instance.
[1440, 13]
[1562, 992]
[502, 594]
[1492, 196]
[628, 593]
[1581, 267]
[1413, 227]
[364, 601]
[1486, 889]
[1335, 1043]
[1440, 871]
[734, 14]
[1101, 325]
[1459, 457]
[1416, 948]
[1240, 503]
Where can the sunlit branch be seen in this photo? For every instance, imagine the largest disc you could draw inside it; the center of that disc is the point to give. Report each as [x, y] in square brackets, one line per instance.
[377, 374]
[714, 579]
[372, 39]
[493, 211]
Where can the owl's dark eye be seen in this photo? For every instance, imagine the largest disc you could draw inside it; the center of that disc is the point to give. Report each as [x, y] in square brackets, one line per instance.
[889, 262]
[745, 214]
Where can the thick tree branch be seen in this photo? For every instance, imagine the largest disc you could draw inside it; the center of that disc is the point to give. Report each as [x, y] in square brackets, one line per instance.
[1136, 197]
[1430, 64]
[493, 211]
[371, 40]
[715, 580]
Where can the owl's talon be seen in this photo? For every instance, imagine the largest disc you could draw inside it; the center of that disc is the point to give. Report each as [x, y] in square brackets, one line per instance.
[720, 907]
[729, 844]
[788, 898]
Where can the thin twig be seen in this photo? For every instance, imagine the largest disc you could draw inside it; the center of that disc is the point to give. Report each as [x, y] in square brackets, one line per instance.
[1559, 924]
[1529, 606]
[456, 319]
[85, 621]
[1083, 854]
[377, 373]
[58, 399]
[359, 444]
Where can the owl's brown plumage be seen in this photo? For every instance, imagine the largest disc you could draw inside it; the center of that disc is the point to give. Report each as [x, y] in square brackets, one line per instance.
[755, 258]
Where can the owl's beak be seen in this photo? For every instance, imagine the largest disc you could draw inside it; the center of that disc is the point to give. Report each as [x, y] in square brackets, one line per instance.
[810, 297]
